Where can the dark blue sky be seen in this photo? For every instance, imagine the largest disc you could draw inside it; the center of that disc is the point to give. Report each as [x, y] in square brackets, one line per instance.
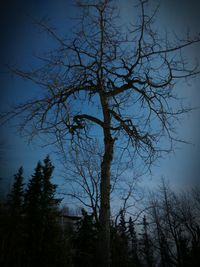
[20, 40]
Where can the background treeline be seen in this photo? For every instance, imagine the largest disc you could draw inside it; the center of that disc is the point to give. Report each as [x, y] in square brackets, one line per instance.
[33, 234]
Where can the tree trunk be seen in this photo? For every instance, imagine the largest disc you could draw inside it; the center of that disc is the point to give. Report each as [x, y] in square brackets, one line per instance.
[104, 233]
[104, 216]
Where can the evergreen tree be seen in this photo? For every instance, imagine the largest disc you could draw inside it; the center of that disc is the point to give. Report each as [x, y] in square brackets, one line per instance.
[33, 194]
[16, 197]
[13, 224]
[195, 249]
[146, 245]
[30, 234]
[48, 189]
[51, 243]
[122, 224]
[33, 216]
[41, 209]
[119, 243]
[184, 249]
[133, 246]
[86, 242]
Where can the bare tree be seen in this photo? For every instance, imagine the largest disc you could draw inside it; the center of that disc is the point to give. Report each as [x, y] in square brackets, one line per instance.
[174, 221]
[164, 224]
[113, 84]
[82, 175]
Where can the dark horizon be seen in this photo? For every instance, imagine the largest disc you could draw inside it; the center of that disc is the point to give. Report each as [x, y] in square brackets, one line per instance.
[16, 41]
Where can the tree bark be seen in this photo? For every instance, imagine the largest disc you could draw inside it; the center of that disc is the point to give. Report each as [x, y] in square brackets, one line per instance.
[104, 234]
[104, 216]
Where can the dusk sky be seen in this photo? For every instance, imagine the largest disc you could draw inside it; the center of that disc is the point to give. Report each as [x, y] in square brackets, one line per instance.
[21, 40]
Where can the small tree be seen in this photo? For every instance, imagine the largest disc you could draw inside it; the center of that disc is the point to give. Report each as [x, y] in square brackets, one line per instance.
[82, 173]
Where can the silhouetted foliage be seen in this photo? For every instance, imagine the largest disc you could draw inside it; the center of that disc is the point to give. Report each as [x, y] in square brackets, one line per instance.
[12, 231]
[86, 241]
[133, 245]
[31, 235]
[16, 197]
[146, 245]
[34, 231]
[41, 210]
